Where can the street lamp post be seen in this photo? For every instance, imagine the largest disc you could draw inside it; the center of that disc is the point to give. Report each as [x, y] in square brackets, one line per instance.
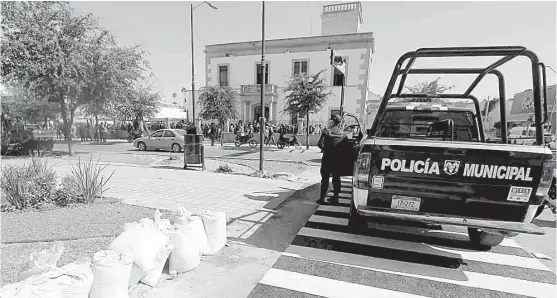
[262, 118]
[198, 130]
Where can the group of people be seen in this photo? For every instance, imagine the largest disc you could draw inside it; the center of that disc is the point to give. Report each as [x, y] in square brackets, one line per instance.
[212, 131]
[97, 132]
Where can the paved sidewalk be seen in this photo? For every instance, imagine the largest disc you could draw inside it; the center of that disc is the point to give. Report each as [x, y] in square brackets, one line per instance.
[235, 270]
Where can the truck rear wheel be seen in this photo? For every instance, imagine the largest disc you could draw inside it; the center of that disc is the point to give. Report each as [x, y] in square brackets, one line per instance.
[483, 238]
[356, 222]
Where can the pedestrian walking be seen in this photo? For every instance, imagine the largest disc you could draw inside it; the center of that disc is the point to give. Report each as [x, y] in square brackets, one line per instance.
[330, 162]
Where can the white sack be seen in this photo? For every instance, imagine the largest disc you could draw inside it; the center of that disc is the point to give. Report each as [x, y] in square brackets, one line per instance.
[215, 230]
[195, 223]
[112, 272]
[143, 241]
[75, 279]
[37, 286]
[42, 261]
[153, 276]
[185, 256]
[180, 216]
[136, 275]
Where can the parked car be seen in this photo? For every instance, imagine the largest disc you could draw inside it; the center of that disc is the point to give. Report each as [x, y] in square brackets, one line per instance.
[163, 139]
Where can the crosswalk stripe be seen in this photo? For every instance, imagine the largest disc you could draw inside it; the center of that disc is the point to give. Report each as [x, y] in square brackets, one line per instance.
[394, 228]
[324, 286]
[342, 195]
[329, 220]
[332, 208]
[455, 277]
[481, 256]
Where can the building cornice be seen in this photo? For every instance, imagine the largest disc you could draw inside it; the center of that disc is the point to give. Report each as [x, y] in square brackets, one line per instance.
[292, 45]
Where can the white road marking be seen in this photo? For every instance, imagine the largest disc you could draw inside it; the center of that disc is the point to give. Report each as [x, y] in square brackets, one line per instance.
[324, 286]
[333, 208]
[396, 228]
[480, 256]
[433, 273]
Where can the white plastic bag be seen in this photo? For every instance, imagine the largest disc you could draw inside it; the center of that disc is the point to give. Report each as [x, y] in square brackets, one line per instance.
[36, 286]
[180, 216]
[185, 256]
[215, 230]
[143, 241]
[75, 279]
[160, 223]
[42, 261]
[195, 223]
[153, 276]
[112, 271]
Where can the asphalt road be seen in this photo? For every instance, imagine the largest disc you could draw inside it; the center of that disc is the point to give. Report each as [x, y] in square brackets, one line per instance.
[228, 151]
[326, 259]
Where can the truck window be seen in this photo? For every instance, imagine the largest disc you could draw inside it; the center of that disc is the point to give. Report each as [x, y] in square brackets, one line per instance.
[411, 124]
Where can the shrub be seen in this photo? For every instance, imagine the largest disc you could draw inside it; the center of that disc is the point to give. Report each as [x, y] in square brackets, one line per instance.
[30, 185]
[86, 181]
[224, 169]
[67, 192]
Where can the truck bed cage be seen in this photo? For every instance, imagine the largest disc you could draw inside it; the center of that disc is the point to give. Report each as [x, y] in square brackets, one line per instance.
[507, 53]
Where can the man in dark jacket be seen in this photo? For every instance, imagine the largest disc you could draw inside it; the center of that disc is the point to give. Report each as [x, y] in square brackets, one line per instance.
[329, 143]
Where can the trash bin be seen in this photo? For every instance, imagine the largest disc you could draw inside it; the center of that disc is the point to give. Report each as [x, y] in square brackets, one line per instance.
[193, 150]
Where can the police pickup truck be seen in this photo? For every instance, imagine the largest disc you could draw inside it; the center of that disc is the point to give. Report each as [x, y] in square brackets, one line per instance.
[430, 163]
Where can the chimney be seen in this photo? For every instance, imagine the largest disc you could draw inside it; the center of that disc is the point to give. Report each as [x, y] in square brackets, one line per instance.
[343, 18]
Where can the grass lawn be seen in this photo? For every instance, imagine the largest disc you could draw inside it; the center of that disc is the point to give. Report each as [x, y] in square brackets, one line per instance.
[84, 230]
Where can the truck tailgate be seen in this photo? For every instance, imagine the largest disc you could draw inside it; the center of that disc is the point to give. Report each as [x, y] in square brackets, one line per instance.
[457, 178]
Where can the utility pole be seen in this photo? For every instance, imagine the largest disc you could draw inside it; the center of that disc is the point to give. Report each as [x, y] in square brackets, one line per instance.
[486, 112]
[262, 118]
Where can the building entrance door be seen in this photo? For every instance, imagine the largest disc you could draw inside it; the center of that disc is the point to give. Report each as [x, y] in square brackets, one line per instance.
[257, 113]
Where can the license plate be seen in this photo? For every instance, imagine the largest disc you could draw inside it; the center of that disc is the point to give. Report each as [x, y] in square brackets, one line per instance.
[405, 203]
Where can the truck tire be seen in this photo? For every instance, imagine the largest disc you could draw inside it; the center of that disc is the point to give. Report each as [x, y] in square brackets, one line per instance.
[356, 222]
[482, 238]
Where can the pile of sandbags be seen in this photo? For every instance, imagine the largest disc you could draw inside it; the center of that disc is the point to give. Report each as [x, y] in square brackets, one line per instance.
[40, 277]
[138, 254]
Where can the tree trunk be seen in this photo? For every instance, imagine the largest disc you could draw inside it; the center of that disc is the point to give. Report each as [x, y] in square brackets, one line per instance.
[67, 126]
[307, 130]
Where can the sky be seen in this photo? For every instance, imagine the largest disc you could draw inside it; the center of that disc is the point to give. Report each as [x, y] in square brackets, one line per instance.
[163, 28]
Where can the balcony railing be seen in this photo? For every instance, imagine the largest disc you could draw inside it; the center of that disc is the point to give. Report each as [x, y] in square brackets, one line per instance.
[256, 89]
[342, 7]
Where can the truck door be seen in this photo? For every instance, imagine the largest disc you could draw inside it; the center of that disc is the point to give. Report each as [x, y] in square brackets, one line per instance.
[352, 131]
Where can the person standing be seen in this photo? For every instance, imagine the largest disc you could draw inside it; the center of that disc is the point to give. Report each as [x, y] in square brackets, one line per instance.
[329, 144]
[213, 133]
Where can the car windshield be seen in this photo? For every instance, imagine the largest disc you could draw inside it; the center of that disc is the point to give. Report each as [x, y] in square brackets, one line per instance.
[412, 124]
[181, 132]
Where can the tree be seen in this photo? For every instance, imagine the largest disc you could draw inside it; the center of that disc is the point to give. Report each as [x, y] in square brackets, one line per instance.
[427, 88]
[138, 103]
[218, 103]
[306, 94]
[114, 71]
[45, 49]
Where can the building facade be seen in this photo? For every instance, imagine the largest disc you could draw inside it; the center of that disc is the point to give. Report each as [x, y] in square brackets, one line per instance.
[238, 65]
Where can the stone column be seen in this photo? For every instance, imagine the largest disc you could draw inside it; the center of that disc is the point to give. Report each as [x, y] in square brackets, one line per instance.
[270, 110]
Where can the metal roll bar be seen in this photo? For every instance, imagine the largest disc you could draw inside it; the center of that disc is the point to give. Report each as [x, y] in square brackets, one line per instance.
[507, 53]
